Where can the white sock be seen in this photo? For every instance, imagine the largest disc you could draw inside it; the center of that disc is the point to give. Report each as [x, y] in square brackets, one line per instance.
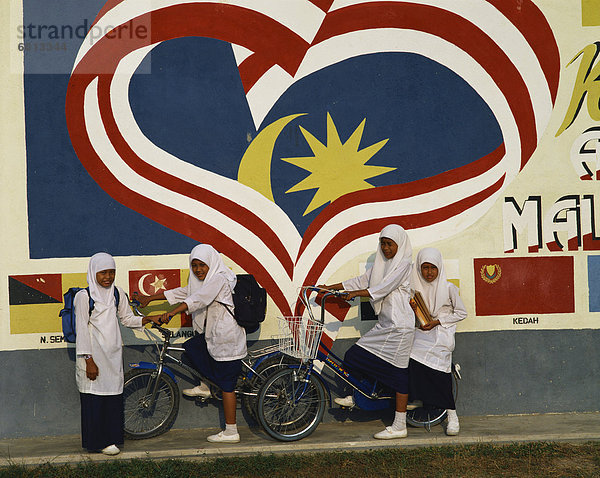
[230, 429]
[452, 416]
[399, 421]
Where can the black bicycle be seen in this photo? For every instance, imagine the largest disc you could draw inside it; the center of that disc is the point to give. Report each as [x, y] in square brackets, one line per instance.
[151, 393]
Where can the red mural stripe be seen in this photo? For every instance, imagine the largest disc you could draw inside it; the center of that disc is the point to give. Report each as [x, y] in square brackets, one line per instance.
[252, 68]
[229, 23]
[532, 24]
[455, 29]
[226, 206]
[162, 214]
[409, 221]
[402, 191]
[233, 24]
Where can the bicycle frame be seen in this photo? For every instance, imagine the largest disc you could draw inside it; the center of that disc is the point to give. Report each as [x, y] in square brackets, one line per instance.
[164, 355]
[366, 388]
[369, 396]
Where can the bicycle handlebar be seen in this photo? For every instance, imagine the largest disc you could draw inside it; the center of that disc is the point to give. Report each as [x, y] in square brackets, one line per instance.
[135, 304]
[328, 292]
[162, 330]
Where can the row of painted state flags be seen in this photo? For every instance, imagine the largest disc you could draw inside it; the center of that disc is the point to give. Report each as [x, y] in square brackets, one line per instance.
[503, 286]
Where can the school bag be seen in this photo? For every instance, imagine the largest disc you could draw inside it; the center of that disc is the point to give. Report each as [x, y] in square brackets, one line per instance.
[250, 302]
[68, 313]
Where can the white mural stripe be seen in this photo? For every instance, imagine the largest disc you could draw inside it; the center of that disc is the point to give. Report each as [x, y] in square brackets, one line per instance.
[231, 189]
[136, 183]
[300, 16]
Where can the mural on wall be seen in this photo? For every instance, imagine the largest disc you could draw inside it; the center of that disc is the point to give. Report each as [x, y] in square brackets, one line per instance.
[287, 134]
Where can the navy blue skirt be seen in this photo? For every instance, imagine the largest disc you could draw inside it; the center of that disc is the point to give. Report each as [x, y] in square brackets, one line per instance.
[223, 374]
[432, 387]
[102, 418]
[369, 365]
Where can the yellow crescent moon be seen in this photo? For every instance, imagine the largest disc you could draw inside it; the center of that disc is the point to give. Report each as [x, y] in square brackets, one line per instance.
[255, 166]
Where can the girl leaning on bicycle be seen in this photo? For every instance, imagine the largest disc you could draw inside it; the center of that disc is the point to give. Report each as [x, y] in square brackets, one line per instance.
[383, 352]
[219, 343]
[431, 356]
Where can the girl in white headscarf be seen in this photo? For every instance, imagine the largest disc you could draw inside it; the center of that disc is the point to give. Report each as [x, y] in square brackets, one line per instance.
[219, 343]
[430, 376]
[99, 362]
[384, 351]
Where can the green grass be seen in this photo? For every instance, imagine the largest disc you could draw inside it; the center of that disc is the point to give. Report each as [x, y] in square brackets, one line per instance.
[538, 459]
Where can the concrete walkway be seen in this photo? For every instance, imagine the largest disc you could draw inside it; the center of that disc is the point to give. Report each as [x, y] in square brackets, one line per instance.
[346, 436]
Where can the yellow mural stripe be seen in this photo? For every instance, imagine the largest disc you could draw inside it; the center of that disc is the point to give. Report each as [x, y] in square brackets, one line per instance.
[590, 13]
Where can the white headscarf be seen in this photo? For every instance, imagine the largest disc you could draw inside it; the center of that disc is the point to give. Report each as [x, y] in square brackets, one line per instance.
[434, 293]
[207, 254]
[103, 297]
[382, 267]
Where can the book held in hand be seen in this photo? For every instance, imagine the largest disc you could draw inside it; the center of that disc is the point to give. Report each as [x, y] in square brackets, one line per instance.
[422, 314]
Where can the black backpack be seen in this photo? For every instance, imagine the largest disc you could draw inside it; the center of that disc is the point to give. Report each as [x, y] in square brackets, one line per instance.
[250, 302]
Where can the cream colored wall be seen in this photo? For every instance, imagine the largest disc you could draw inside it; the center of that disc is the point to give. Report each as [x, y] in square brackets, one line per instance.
[549, 173]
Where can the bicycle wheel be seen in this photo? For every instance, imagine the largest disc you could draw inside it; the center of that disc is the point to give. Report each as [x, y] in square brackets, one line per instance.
[142, 418]
[260, 375]
[290, 406]
[425, 417]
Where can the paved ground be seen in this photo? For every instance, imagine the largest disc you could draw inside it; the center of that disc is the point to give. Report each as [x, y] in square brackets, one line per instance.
[192, 444]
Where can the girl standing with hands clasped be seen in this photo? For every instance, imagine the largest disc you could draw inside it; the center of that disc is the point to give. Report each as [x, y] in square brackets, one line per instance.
[383, 352]
[431, 355]
[219, 342]
[99, 363]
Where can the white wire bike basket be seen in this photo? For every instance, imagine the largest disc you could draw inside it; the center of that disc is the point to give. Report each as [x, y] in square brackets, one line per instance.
[299, 336]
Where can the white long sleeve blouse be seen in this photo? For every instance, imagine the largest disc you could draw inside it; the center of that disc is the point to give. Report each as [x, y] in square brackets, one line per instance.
[392, 336]
[225, 339]
[434, 347]
[99, 335]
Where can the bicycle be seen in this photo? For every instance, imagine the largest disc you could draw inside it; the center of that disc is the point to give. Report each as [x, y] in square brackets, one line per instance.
[151, 394]
[279, 399]
[279, 385]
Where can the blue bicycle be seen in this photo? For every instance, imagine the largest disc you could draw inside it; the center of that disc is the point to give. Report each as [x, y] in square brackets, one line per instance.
[284, 398]
[279, 385]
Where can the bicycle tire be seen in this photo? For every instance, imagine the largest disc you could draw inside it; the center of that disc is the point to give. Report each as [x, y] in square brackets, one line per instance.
[141, 419]
[260, 375]
[289, 406]
[423, 417]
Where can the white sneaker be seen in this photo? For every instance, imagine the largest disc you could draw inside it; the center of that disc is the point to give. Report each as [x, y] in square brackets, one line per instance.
[347, 401]
[222, 438]
[201, 391]
[389, 433]
[111, 450]
[452, 428]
